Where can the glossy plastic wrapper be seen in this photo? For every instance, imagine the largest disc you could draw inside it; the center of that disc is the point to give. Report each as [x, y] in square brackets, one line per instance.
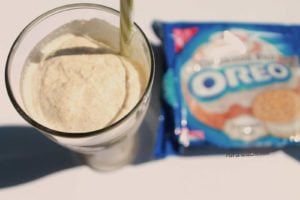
[229, 85]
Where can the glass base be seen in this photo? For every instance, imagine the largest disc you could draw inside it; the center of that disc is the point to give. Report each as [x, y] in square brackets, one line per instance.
[113, 157]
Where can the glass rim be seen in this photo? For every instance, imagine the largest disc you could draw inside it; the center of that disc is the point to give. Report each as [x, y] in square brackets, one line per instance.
[32, 24]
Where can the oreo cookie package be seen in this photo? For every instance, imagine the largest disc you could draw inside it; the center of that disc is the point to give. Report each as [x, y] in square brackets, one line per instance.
[231, 85]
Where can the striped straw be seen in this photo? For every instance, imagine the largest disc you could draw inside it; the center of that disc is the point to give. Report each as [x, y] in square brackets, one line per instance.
[126, 25]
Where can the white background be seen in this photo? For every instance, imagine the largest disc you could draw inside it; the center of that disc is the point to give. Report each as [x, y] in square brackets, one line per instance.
[271, 176]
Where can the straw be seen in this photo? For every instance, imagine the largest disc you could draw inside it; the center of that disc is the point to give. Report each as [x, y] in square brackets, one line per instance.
[126, 25]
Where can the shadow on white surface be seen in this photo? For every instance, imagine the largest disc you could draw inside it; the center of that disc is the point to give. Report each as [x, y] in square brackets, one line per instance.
[25, 155]
[293, 151]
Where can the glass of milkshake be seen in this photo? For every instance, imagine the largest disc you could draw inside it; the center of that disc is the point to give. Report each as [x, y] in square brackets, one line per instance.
[65, 77]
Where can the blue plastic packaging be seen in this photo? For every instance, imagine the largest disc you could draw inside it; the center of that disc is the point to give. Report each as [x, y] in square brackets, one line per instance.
[230, 85]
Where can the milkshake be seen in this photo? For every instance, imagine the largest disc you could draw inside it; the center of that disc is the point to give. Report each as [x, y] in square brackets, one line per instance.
[66, 77]
[75, 87]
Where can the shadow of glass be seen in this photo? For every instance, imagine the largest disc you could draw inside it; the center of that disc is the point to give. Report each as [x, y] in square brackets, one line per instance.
[25, 155]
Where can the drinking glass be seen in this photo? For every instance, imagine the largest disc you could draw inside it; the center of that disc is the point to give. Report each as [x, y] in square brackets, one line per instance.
[107, 148]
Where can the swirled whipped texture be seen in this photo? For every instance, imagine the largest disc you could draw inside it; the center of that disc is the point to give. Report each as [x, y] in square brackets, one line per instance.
[68, 85]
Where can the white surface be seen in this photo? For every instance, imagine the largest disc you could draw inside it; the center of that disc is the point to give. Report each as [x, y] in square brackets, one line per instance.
[272, 176]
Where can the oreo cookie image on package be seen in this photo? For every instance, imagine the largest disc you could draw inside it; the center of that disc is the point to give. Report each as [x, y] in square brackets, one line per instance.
[232, 85]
